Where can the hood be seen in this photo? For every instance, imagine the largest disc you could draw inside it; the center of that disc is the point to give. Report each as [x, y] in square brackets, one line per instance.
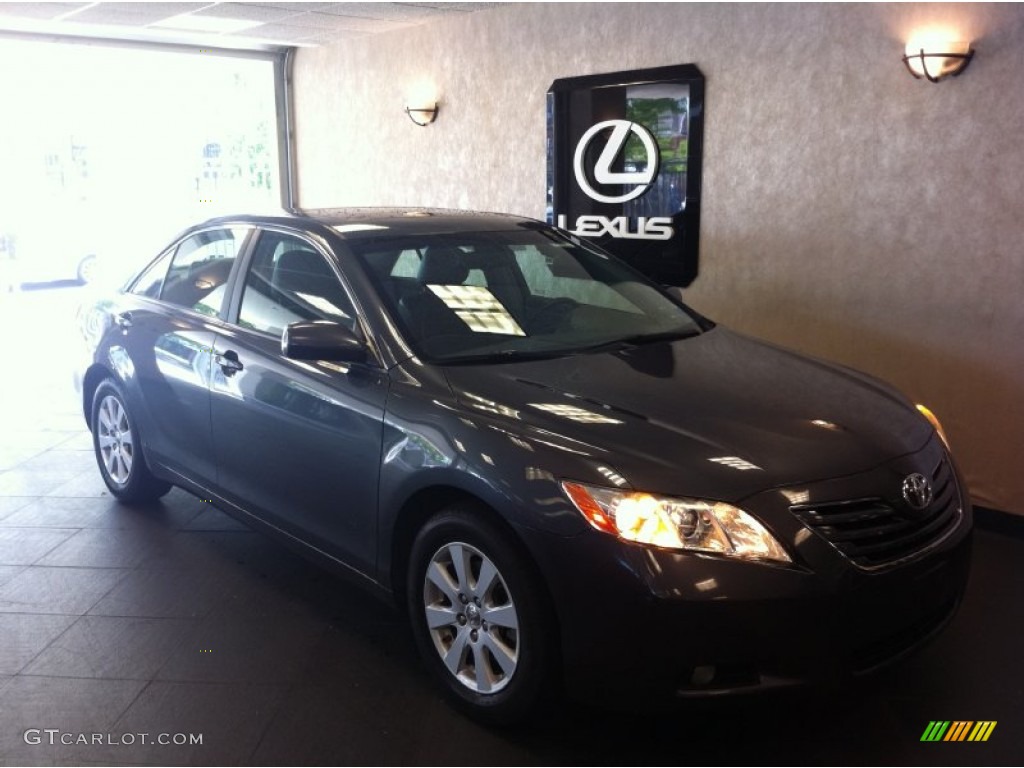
[717, 415]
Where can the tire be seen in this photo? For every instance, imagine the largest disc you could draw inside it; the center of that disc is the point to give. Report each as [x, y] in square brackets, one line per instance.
[87, 270]
[118, 448]
[490, 645]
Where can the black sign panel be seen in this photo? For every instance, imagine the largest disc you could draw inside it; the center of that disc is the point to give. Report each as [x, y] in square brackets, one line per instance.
[624, 164]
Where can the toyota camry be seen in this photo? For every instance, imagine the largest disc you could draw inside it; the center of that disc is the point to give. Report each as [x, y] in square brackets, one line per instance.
[571, 481]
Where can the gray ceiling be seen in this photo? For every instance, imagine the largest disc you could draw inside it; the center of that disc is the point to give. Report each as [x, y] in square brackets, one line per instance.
[237, 25]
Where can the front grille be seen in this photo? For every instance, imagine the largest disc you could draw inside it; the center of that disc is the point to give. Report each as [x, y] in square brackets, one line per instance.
[875, 532]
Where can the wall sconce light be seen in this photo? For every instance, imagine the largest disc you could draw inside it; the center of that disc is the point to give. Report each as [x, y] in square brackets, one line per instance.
[424, 115]
[937, 60]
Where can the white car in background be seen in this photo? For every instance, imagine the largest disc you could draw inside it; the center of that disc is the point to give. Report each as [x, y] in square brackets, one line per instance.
[75, 250]
[7, 276]
[45, 255]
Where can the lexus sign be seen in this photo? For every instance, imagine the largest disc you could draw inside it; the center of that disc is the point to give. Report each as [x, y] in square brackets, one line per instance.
[614, 145]
[624, 165]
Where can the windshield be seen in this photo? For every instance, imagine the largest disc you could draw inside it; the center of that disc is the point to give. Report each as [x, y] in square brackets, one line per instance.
[525, 293]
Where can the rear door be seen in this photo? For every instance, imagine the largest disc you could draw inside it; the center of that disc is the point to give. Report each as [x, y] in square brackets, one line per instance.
[298, 443]
[168, 321]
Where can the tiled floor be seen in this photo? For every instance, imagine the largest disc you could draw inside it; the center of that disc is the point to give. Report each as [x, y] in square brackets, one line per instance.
[175, 619]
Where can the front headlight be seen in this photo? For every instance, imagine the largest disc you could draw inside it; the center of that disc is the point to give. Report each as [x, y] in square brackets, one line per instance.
[691, 524]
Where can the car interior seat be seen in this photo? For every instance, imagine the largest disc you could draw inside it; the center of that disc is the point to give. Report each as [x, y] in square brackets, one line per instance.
[423, 311]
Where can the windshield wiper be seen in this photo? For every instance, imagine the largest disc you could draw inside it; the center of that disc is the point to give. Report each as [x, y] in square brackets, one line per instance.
[506, 356]
[635, 340]
[522, 355]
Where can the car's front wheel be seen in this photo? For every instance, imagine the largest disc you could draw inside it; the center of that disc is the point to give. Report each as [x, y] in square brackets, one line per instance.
[479, 614]
[115, 438]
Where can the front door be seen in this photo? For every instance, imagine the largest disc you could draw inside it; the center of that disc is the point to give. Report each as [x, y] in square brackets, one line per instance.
[298, 443]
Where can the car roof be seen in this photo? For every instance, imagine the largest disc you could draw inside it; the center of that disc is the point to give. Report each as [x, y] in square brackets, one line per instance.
[360, 223]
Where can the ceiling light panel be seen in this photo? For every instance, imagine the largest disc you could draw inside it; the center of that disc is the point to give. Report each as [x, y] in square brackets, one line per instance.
[262, 13]
[139, 14]
[394, 11]
[325, 21]
[299, 7]
[282, 33]
[193, 23]
[39, 10]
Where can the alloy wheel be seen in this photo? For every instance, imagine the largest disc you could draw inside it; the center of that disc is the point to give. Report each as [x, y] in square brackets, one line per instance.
[115, 440]
[471, 617]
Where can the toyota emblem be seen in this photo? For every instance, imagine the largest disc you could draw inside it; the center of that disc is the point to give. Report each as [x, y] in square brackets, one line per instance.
[917, 491]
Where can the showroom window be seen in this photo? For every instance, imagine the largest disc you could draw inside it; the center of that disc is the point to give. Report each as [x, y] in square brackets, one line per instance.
[126, 147]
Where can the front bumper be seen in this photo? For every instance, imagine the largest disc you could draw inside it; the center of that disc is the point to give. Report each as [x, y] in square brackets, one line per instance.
[640, 622]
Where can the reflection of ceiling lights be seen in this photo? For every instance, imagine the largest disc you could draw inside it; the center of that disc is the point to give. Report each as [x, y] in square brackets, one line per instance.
[734, 462]
[524, 445]
[490, 406]
[478, 308]
[345, 228]
[613, 476]
[216, 24]
[825, 424]
[797, 497]
[575, 414]
[536, 473]
[322, 304]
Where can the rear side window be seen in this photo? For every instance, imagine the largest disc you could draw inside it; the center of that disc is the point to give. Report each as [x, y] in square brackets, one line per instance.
[407, 264]
[198, 275]
[152, 280]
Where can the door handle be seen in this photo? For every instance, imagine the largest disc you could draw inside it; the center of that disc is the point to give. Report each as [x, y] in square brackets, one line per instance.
[228, 362]
[123, 319]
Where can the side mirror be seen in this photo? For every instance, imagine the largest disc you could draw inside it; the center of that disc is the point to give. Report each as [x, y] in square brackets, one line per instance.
[322, 340]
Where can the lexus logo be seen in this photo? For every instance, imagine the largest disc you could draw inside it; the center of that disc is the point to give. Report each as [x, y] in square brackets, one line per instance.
[616, 143]
[917, 491]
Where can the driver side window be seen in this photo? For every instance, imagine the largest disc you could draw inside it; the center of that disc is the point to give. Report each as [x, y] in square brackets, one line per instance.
[290, 281]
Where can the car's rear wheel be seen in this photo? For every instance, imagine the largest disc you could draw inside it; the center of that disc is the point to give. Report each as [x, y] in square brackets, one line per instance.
[479, 614]
[115, 438]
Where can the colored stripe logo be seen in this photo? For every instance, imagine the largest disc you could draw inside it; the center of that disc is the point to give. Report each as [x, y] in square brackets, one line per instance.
[958, 730]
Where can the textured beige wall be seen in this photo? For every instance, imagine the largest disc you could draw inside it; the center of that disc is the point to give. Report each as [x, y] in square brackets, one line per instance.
[849, 210]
